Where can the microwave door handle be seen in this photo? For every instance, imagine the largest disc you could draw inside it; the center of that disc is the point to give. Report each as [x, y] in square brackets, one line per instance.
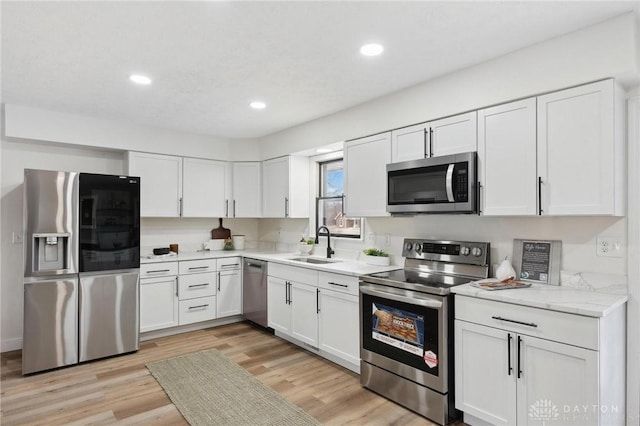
[450, 183]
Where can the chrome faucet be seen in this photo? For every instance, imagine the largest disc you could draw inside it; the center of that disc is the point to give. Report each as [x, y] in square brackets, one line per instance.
[329, 250]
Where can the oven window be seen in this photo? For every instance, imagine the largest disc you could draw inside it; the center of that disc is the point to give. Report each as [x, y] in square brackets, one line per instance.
[401, 331]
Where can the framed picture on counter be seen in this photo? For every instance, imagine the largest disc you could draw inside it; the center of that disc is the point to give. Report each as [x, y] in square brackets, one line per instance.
[537, 261]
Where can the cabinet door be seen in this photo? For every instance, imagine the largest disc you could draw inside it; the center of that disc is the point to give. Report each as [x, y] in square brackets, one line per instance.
[158, 303]
[229, 298]
[365, 169]
[409, 143]
[204, 188]
[160, 183]
[339, 325]
[304, 313]
[275, 184]
[576, 150]
[485, 385]
[507, 159]
[247, 190]
[278, 308]
[557, 382]
[453, 135]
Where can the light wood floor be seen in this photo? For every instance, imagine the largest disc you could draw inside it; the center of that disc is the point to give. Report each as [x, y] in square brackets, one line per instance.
[120, 390]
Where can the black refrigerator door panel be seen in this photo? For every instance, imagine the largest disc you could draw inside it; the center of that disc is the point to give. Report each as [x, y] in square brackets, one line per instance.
[109, 313]
[109, 222]
[50, 336]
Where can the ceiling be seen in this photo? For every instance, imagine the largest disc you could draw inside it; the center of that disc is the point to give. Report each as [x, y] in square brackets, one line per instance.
[209, 59]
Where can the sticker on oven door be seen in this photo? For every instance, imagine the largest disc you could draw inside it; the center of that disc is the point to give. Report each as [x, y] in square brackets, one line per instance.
[395, 327]
[431, 359]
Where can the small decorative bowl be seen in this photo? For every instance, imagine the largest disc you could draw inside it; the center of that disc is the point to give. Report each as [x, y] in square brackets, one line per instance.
[305, 248]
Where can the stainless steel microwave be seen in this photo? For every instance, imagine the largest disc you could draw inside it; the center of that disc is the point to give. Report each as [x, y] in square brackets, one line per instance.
[445, 184]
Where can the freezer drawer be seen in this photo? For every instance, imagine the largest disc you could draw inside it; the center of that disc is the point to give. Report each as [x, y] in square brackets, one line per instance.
[50, 336]
[109, 314]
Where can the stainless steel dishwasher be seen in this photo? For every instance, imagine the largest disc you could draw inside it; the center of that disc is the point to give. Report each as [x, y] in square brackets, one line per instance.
[254, 291]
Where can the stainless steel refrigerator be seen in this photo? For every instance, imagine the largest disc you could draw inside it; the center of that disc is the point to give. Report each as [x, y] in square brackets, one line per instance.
[81, 267]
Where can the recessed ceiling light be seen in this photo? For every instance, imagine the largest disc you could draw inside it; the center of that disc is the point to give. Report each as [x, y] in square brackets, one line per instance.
[323, 150]
[258, 105]
[140, 79]
[372, 49]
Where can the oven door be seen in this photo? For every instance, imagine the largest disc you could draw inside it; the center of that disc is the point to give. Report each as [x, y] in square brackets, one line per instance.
[404, 332]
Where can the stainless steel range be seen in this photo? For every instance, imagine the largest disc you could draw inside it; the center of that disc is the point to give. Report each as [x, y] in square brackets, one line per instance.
[406, 324]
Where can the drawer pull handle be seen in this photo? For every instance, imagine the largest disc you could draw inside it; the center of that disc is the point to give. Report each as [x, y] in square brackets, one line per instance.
[198, 285]
[198, 306]
[338, 284]
[528, 324]
[158, 271]
[231, 265]
[193, 268]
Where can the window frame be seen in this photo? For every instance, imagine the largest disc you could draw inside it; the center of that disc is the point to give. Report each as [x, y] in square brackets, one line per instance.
[320, 175]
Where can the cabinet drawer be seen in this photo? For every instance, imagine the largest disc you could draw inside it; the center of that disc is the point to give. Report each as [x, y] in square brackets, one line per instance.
[229, 263]
[197, 285]
[196, 310]
[338, 282]
[561, 327]
[197, 266]
[162, 269]
[293, 273]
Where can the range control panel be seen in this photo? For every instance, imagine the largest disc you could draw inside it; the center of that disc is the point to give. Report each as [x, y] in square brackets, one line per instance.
[472, 253]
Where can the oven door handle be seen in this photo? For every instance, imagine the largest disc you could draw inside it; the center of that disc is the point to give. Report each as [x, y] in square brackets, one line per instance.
[450, 183]
[415, 300]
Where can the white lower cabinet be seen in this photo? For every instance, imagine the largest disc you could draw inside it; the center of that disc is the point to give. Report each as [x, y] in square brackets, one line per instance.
[158, 303]
[339, 325]
[197, 295]
[158, 296]
[517, 365]
[292, 302]
[278, 311]
[229, 297]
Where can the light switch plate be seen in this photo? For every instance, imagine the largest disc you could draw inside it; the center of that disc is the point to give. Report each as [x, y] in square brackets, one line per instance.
[16, 237]
[609, 247]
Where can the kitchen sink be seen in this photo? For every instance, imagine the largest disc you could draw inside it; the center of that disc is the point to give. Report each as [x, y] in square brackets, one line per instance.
[313, 260]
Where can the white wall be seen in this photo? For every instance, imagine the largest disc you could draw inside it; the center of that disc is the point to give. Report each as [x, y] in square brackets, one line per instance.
[16, 156]
[609, 49]
[44, 125]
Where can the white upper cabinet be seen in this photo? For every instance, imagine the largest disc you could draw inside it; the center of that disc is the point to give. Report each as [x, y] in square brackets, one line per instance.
[409, 143]
[365, 168]
[160, 183]
[451, 135]
[507, 159]
[180, 187]
[580, 151]
[285, 187]
[247, 190]
[204, 190]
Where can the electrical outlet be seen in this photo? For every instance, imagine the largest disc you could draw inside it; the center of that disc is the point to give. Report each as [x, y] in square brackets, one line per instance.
[609, 247]
[371, 238]
[387, 239]
[16, 237]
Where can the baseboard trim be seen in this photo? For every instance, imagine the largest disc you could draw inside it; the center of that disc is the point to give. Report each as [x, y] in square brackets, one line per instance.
[190, 327]
[9, 345]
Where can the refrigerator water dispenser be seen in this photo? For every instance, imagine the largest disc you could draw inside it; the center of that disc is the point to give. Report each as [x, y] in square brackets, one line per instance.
[50, 252]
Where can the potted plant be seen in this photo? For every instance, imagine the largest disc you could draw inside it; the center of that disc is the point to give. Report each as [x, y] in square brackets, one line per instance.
[306, 245]
[374, 256]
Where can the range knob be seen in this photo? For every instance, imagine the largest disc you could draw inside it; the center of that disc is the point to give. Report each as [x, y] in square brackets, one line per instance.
[476, 251]
[418, 247]
[464, 250]
[408, 246]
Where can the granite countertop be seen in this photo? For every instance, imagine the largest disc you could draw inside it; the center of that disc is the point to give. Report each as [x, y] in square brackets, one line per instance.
[339, 266]
[555, 298]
